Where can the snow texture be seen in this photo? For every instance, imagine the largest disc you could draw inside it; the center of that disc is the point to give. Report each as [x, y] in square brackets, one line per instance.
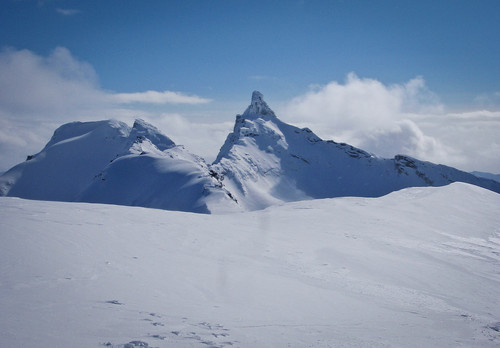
[415, 268]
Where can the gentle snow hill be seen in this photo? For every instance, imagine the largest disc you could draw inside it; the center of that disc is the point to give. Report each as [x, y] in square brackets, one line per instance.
[265, 161]
[109, 162]
[416, 268]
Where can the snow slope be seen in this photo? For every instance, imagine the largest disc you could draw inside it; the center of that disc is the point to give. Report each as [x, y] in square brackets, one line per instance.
[109, 162]
[69, 161]
[416, 268]
[265, 161]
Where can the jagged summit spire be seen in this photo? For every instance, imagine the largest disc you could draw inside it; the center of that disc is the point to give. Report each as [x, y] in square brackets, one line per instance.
[258, 107]
[257, 97]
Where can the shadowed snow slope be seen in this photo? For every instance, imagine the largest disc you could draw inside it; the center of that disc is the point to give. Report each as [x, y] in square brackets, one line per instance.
[109, 162]
[265, 161]
[416, 268]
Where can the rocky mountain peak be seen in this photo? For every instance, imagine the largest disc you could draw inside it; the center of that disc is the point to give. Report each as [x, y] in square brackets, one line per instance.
[258, 107]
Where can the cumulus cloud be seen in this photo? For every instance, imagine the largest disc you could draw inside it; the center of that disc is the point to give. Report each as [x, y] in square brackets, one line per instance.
[401, 118]
[366, 112]
[405, 137]
[365, 103]
[31, 83]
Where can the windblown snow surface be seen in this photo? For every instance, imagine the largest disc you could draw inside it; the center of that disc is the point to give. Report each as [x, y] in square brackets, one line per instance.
[419, 267]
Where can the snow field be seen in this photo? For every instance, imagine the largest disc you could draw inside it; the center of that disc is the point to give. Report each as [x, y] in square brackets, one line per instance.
[418, 267]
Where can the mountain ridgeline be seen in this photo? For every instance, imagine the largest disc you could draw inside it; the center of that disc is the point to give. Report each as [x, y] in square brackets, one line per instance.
[263, 162]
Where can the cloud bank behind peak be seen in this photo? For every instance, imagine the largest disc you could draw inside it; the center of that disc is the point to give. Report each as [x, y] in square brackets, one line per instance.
[39, 93]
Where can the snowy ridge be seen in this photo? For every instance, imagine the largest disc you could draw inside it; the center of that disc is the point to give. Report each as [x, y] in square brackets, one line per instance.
[109, 162]
[142, 130]
[263, 162]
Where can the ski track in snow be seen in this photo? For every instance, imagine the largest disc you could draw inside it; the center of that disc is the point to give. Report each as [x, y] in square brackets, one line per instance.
[419, 267]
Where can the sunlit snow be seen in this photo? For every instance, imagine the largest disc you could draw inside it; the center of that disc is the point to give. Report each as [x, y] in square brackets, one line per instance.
[416, 268]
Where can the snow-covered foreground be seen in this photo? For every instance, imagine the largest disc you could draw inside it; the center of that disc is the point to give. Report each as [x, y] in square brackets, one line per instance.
[417, 268]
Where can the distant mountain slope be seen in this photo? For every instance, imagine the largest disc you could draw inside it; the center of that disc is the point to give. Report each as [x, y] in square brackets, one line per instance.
[265, 161]
[491, 176]
[76, 152]
[109, 162]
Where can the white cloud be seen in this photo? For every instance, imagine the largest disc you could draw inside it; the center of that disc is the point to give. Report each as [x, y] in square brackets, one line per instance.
[473, 134]
[155, 97]
[41, 93]
[33, 84]
[476, 115]
[67, 11]
[401, 118]
[405, 137]
[488, 99]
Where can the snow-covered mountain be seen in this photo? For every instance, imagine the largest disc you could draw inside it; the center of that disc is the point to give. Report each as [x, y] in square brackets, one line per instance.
[491, 176]
[265, 161]
[109, 162]
[413, 268]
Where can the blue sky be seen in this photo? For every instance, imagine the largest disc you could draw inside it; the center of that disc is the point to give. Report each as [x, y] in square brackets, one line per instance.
[220, 51]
